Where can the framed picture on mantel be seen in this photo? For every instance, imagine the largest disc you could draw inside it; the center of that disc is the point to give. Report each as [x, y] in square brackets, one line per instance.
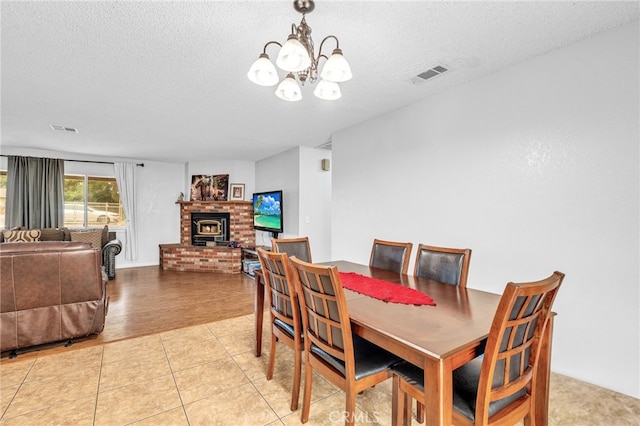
[236, 192]
[209, 187]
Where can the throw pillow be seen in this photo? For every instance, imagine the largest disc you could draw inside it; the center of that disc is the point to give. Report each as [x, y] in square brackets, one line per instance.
[105, 235]
[52, 234]
[23, 236]
[93, 237]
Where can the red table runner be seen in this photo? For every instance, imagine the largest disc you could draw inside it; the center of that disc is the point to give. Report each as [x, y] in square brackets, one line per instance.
[384, 290]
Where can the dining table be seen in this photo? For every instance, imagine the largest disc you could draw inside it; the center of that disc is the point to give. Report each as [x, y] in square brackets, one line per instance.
[437, 338]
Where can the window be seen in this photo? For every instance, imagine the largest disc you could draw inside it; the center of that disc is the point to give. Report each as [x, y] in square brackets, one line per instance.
[98, 205]
[92, 201]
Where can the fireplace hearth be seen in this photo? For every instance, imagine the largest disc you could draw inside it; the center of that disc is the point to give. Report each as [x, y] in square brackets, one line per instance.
[210, 229]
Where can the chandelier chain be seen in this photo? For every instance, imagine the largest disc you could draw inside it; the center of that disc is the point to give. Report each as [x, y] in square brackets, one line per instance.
[303, 31]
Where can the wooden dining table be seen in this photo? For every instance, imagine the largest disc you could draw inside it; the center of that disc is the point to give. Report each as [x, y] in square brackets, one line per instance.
[437, 339]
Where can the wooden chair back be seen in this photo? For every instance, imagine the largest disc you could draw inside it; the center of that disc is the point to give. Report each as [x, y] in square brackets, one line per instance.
[501, 387]
[298, 247]
[278, 277]
[325, 318]
[390, 255]
[513, 349]
[446, 265]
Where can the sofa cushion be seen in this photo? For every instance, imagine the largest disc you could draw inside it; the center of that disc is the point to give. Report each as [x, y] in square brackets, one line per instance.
[22, 236]
[93, 236]
[104, 238]
[52, 234]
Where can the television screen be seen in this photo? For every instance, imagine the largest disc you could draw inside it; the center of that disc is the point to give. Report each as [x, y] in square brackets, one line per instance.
[267, 211]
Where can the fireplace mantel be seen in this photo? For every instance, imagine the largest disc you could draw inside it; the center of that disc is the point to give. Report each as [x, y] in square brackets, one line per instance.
[212, 202]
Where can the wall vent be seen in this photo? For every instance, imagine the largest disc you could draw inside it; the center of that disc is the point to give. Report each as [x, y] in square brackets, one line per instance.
[429, 74]
[64, 129]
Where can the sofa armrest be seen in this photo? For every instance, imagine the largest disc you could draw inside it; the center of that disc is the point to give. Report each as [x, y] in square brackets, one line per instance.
[109, 252]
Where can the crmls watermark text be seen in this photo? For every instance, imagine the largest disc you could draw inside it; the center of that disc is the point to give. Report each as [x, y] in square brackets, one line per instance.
[360, 418]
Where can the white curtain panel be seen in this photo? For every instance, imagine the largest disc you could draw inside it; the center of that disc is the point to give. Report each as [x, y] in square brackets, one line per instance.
[125, 177]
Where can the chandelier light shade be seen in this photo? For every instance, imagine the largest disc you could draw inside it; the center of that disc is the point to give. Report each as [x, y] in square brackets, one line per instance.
[337, 68]
[293, 57]
[297, 57]
[328, 90]
[262, 72]
[288, 89]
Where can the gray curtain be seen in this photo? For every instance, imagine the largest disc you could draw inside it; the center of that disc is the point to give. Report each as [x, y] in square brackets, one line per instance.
[35, 192]
[125, 178]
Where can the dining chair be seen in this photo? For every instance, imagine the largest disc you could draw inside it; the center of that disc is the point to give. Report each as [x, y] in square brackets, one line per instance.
[298, 247]
[348, 361]
[286, 322]
[443, 264]
[390, 255]
[500, 387]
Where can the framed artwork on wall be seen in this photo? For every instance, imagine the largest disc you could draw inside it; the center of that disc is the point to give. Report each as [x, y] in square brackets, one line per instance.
[209, 187]
[237, 192]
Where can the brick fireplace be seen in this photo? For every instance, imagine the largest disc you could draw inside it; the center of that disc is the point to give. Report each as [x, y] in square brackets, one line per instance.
[211, 256]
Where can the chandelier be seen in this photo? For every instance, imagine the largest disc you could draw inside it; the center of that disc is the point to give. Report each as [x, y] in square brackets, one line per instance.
[298, 59]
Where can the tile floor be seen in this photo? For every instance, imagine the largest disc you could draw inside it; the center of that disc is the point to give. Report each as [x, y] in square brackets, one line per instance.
[208, 375]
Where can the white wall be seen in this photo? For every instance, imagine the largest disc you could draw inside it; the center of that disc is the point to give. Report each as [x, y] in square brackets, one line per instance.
[281, 171]
[238, 171]
[158, 216]
[314, 219]
[536, 168]
[306, 194]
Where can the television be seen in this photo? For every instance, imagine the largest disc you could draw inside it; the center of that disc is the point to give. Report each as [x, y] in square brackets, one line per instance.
[267, 212]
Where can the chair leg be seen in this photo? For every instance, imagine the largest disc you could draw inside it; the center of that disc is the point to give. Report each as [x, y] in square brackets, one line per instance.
[297, 373]
[350, 407]
[400, 404]
[272, 357]
[397, 402]
[306, 399]
[420, 412]
[530, 418]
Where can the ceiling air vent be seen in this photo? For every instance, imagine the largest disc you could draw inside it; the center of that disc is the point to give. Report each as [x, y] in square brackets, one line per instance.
[429, 74]
[64, 129]
[326, 145]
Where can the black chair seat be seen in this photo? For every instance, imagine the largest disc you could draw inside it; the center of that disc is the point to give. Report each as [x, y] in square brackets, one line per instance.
[465, 386]
[410, 373]
[369, 358]
[465, 390]
[286, 327]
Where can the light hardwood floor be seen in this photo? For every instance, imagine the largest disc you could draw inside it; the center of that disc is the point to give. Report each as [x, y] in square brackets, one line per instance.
[177, 349]
[148, 300]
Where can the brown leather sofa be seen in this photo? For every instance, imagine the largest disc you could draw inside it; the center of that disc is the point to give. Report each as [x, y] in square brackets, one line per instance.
[50, 291]
[110, 245]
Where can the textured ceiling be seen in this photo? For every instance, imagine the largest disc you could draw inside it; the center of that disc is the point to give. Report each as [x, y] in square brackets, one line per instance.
[167, 80]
